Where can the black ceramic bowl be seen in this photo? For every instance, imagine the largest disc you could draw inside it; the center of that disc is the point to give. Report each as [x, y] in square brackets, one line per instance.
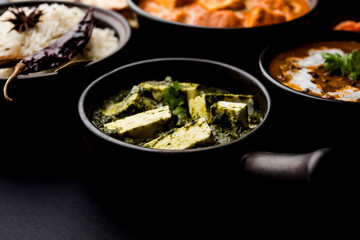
[108, 151]
[45, 105]
[311, 120]
[235, 43]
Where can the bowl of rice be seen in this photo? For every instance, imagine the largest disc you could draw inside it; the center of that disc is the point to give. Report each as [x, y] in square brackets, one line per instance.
[45, 103]
[110, 35]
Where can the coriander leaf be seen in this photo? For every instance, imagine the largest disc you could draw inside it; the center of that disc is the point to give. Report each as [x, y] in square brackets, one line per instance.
[348, 65]
[332, 61]
[176, 100]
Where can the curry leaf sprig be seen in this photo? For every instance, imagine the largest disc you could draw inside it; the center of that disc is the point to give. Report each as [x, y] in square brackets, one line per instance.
[348, 65]
[175, 99]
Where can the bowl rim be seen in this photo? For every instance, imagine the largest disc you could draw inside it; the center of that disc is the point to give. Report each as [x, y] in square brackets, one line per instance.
[134, 7]
[267, 54]
[123, 40]
[87, 122]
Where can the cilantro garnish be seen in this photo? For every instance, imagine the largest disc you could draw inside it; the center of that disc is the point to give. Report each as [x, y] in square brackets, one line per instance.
[176, 100]
[348, 65]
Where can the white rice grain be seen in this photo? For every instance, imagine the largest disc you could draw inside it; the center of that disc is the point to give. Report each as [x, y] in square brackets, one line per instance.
[57, 19]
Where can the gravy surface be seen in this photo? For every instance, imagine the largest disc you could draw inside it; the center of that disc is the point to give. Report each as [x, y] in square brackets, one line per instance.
[302, 69]
[226, 13]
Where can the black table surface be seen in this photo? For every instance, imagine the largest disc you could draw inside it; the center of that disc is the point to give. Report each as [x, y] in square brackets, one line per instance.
[71, 200]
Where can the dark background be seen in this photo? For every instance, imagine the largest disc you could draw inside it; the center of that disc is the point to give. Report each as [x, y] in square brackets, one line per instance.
[63, 196]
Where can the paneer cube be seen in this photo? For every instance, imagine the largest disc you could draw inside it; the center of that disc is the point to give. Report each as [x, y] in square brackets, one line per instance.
[241, 98]
[200, 105]
[133, 103]
[174, 3]
[157, 89]
[260, 16]
[219, 18]
[191, 89]
[234, 113]
[213, 5]
[189, 136]
[274, 4]
[142, 125]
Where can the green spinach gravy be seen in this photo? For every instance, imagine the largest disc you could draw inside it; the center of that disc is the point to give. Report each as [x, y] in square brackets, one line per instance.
[176, 115]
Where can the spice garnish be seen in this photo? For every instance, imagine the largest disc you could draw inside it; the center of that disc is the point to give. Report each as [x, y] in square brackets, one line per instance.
[175, 99]
[23, 22]
[9, 61]
[62, 50]
[348, 65]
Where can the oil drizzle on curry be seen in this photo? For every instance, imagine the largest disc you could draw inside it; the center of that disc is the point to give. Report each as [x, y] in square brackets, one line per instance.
[226, 13]
[302, 69]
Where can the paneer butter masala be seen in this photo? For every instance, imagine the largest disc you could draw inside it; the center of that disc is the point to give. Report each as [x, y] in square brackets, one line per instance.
[226, 13]
[324, 69]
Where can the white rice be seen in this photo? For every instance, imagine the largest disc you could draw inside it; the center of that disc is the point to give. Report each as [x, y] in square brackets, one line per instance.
[56, 20]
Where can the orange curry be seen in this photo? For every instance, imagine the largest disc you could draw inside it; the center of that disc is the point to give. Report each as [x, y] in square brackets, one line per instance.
[302, 69]
[226, 13]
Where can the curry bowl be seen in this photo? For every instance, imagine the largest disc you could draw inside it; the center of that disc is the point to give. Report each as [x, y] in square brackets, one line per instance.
[209, 41]
[317, 109]
[156, 181]
[138, 161]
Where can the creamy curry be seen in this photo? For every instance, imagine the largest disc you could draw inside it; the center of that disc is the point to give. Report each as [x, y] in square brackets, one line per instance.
[226, 13]
[302, 69]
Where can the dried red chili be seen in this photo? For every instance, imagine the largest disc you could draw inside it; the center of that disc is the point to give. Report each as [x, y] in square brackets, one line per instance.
[59, 52]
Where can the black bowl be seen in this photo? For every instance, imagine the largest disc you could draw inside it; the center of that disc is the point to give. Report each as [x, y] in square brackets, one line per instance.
[312, 121]
[176, 186]
[228, 44]
[44, 106]
[133, 4]
[126, 158]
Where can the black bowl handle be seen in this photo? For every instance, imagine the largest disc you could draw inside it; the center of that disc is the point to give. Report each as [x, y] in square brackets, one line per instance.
[310, 167]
